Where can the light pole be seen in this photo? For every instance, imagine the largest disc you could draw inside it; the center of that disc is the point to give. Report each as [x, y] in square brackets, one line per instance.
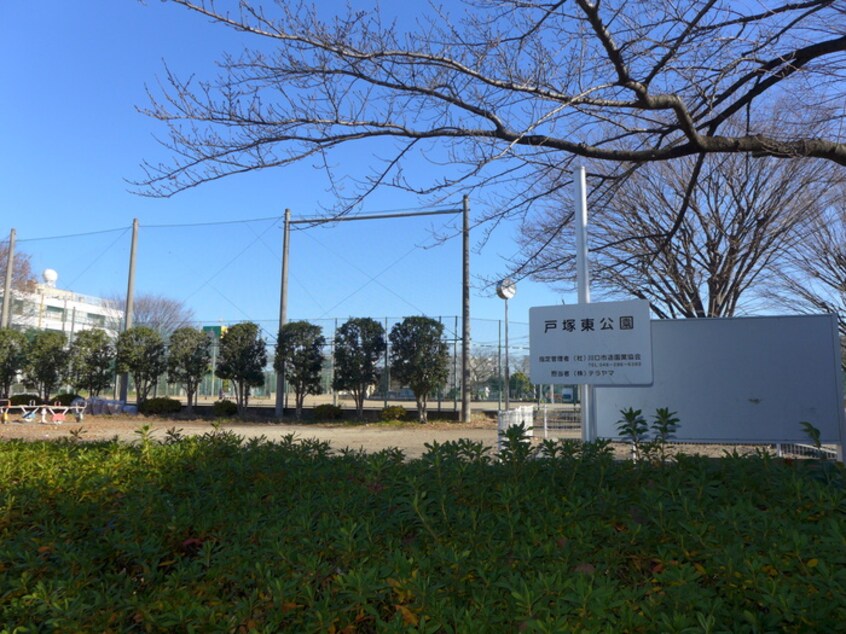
[506, 289]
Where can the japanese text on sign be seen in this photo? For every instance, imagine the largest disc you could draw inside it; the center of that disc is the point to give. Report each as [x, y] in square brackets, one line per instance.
[606, 343]
[625, 322]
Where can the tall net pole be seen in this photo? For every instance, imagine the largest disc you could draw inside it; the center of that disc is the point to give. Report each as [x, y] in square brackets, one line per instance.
[130, 303]
[283, 312]
[465, 313]
[465, 292]
[7, 287]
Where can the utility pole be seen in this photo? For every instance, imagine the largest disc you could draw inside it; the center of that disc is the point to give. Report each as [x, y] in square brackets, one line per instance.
[465, 314]
[130, 303]
[387, 365]
[283, 313]
[457, 387]
[333, 349]
[7, 287]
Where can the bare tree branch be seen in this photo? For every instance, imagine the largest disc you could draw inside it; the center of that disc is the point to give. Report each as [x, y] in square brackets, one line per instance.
[162, 314]
[814, 278]
[23, 278]
[743, 219]
[524, 84]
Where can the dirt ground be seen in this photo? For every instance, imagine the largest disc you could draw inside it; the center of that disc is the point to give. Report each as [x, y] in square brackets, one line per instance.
[411, 438]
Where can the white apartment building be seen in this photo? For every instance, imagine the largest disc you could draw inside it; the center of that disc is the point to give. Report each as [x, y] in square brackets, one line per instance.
[50, 308]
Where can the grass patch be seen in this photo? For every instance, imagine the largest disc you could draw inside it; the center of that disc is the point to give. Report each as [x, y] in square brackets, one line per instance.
[217, 534]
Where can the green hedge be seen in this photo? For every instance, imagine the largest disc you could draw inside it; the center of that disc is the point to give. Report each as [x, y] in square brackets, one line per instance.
[64, 399]
[214, 534]
[392, 412]
[160, 406]
[26, 399]
[224, 409]
[327, 411]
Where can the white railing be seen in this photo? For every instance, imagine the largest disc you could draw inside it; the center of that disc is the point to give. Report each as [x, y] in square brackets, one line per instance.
[559, 421]
[801, 449]
[523, 415]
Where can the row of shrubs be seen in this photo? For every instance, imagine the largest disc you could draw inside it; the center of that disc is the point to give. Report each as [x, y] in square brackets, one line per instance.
[34, 399]
[327, 411]
[214, 533]
[223, 409]
[164, 406]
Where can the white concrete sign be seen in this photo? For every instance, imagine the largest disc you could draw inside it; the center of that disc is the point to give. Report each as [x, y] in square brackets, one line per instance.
[606, 343]
[746, 379]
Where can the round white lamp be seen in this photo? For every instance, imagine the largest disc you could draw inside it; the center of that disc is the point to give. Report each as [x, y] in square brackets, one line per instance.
[506, 289]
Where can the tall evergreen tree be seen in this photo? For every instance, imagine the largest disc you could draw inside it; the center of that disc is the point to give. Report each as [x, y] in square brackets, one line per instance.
[419, 358]
[188, 358]
[359, 346]
[243, 356]
[13, 346]
[141, 353]
[46, 361]
[299, 354]
[92, 361]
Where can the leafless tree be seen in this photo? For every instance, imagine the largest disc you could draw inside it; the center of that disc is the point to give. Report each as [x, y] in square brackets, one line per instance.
[484, 364]
[22, 276]
[162, 314]
[505, 91]
[745, 217]
[815, 278]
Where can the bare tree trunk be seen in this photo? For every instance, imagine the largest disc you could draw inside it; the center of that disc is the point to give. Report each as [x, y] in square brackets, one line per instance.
[300, 398]
[359, 402]
[240, 387]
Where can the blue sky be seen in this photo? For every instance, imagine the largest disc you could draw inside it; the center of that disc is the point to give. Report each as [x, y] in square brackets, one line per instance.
[74, 74]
